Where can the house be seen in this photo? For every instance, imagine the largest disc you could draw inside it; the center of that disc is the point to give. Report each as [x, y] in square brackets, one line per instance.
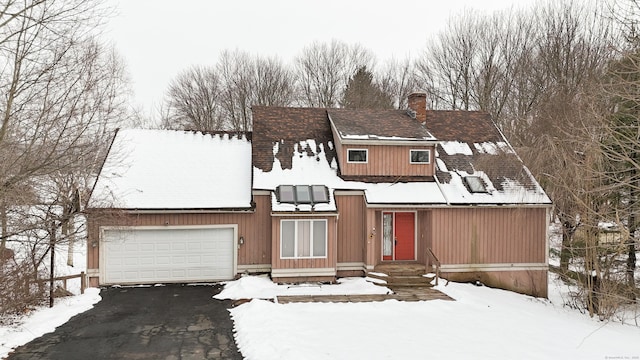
[313, 194]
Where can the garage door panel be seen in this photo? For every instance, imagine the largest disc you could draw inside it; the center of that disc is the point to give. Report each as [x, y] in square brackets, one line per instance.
[168, 255]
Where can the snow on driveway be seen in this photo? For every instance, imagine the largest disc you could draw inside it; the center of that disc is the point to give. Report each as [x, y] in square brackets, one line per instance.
[482, 323]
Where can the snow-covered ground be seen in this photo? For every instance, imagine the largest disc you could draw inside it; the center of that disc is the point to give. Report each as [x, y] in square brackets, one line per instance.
[44, 320]
[482, 323]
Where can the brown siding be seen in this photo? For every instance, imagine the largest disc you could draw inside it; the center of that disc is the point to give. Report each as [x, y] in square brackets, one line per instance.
[530, 282]
[489, 235]
[424, 234]
[386, 160]
[327, 262]
[351, 228]
[254, 227]
[373, 237]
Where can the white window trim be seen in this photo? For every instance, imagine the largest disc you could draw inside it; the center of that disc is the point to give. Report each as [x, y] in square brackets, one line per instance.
[420, 163]
[366, 151]
[295, 242]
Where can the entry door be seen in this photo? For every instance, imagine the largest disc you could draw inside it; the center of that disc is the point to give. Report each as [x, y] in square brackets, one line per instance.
[398, 236]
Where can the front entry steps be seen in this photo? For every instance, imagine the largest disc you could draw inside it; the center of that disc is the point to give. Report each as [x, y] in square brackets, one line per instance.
[395, 276]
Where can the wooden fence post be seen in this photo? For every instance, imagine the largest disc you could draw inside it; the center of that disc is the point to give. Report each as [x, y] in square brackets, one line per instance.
[83, 282]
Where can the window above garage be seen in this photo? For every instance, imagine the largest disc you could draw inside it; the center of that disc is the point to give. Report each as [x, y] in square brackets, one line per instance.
[302, 194]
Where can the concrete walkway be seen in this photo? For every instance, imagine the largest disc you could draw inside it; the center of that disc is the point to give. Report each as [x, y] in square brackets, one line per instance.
[410, 293]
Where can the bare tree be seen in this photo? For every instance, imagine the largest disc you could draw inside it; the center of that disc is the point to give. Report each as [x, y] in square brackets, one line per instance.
[273, 83]
[398, 80]
[220, 97]
[194, 100]
[62, 96]
[323, 70]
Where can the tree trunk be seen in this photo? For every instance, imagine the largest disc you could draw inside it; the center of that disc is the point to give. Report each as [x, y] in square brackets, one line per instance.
[568, 229]
[52, 254]
[3, 231]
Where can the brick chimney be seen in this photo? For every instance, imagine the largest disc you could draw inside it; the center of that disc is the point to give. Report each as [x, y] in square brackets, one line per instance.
[418, 105]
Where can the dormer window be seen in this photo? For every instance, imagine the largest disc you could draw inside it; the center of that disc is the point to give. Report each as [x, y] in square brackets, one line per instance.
[475, 184]
[302, 194]
[419, 156]
[357, 155]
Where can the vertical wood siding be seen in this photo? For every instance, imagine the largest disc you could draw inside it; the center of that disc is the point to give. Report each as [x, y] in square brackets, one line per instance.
[254, 227]
[423, 224]
[386, 161]
[489, 235]
[327, 262]
[351, 228]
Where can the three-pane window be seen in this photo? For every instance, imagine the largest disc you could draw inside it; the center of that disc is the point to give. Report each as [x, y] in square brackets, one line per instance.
[302, 194]
[303, 239]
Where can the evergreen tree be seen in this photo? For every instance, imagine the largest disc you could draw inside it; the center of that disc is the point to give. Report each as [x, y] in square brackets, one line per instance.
[362, 93]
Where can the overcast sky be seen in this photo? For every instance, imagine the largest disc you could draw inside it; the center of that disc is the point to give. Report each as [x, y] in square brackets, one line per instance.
[159, 38]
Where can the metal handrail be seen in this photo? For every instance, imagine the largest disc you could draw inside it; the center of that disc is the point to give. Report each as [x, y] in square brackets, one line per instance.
[432, 260]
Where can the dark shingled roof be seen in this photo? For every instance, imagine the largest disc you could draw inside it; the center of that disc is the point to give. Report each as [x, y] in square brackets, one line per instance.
[463, 126]
[378, 124]
[288, 126]
[475, 127]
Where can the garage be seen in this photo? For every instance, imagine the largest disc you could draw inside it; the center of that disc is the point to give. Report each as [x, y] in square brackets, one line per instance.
[157, 255]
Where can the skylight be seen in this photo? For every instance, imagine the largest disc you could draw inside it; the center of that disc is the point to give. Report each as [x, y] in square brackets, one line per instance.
[302, 194]
[475, 184]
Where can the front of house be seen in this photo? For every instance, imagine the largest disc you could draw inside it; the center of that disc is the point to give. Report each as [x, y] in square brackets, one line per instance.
[314, 194]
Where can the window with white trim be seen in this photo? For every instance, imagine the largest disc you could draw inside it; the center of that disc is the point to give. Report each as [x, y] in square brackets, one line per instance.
[419, 156]
[300, 239]
[357, 155]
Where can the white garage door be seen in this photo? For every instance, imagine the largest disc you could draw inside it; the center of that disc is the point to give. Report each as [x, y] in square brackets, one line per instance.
[167, 255]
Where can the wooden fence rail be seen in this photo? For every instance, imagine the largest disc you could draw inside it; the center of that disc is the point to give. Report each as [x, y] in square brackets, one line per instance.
[83, 280]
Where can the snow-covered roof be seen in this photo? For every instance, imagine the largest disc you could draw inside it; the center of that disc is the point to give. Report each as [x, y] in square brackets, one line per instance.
[310, 167]
[165, 169]
[504, 176]
[294, 146]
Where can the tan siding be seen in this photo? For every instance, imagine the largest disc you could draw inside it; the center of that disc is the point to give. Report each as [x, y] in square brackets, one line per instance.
[386, 160]
[253, 227]
[489, 235]
[328, 262]
[531, 282]
[351, 228]
[423, 233]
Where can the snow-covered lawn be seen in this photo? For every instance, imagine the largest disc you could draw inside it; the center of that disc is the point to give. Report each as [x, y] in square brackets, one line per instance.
[482, 323]
[44, 320]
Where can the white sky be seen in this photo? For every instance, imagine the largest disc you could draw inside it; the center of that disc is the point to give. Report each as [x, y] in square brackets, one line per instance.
[159, 38]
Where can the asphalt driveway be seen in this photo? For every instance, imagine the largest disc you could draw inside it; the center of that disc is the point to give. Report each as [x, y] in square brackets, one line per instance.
[165, 322]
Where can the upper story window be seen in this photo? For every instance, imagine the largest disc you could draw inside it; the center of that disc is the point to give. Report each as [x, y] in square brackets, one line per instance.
[419, 156]
[302, 194]
[357, 155]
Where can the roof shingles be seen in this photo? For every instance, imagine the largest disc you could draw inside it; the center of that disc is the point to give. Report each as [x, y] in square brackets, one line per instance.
[282, 133]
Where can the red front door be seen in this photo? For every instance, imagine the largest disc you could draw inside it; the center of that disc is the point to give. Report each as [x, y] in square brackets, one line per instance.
[398, 242]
